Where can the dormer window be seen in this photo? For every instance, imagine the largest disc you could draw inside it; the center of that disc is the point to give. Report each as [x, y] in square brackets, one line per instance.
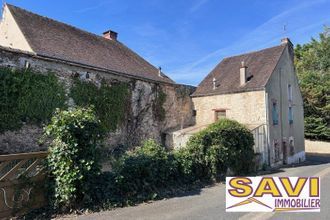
[248, 79]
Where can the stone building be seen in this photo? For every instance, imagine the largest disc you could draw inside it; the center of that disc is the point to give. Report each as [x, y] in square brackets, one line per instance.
[259, 89]
[29, 40]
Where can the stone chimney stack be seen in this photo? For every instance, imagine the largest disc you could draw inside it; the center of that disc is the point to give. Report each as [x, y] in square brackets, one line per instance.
[111, 35]
[160, 74]
[286, 41]
[243, 73]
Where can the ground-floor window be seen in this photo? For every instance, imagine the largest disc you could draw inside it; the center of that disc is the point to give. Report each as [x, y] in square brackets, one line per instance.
[219, 113]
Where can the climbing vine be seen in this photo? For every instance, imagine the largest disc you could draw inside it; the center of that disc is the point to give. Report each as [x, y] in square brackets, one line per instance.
[26, 96]
[158, 105]
[110, 101]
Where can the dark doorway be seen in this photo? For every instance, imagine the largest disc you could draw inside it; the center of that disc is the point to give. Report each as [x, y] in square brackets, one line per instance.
[285, 152]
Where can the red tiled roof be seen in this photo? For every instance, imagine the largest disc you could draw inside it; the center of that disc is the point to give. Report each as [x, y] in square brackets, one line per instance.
[261, 65]
[48, 37]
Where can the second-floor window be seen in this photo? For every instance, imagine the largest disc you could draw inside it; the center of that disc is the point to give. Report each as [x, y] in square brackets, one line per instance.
[275, 114]
[289, 92]
[290, 115]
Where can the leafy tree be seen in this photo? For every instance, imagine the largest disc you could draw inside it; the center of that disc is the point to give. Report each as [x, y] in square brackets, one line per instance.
[313, 69]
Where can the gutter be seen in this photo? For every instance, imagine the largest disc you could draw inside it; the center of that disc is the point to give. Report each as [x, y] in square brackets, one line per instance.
[78, 64]
[232, 92]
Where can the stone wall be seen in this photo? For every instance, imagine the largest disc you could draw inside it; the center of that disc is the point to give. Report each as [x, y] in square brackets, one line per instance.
[140, 122]
[286, 139]
[246, 108]
[317, 147]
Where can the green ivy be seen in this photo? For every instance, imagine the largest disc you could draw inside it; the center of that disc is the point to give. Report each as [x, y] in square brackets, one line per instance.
[29, 97]
[110, 101]
[158, 105]
[74, 155]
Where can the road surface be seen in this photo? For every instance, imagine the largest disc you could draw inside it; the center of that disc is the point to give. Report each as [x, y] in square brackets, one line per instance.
[209, 203]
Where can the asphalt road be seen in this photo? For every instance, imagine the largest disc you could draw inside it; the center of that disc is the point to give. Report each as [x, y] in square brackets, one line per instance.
[209, 203]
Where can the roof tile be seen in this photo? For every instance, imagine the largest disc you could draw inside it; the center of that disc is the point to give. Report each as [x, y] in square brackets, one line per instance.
[261, 65]
[55, 39]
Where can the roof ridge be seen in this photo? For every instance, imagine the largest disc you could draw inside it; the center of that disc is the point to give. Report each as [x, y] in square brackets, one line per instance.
[60, 22]
[252, 52]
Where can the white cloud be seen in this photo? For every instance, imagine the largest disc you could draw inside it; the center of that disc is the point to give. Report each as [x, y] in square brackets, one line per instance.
[267, 34]
[197, 5]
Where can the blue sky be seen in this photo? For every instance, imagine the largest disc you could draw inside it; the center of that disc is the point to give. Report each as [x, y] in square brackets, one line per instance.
[188, 38]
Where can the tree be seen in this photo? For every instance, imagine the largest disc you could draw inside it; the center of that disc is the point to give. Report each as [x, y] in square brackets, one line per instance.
[313, 68]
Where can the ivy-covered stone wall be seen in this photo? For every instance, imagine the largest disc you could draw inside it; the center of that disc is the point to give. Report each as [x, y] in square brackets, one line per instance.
[131, 109]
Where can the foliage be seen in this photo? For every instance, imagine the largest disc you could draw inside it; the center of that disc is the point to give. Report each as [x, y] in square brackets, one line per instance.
[317, 127]
[313, 68]
[142, 172]
[26, 96]
[224, 144]
[146, 173]
[110, 101]
[158, 105]
[73, 158]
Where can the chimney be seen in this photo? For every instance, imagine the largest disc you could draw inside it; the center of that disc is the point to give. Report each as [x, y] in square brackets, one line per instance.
[160, 72]
[243, 73]
[286, 41]
[214, 85]
[111, 35]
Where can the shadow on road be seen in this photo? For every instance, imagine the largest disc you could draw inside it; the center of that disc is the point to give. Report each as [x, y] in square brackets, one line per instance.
[312, 159]
[317, 158]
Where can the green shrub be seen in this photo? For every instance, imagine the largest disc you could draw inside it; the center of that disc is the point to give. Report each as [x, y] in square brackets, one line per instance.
[30, 97]
[141, 173]
[200, 160]
[73, 158]
[110, 101]
[208, 154]
[236, 142]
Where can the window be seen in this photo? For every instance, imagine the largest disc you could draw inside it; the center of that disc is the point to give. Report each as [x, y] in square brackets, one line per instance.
[290, 115]
[275, 114]
[194, 113]
[289, 92]
[218, 114]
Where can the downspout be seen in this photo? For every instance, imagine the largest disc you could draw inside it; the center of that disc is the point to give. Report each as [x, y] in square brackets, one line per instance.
[267, 127]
